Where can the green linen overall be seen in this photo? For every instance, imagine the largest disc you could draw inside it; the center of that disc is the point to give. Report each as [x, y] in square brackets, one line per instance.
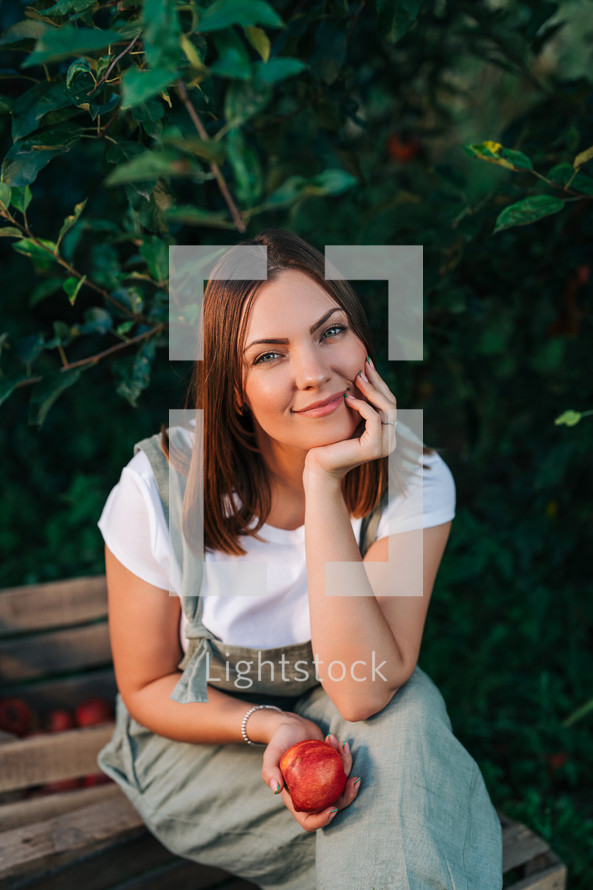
[422, 819]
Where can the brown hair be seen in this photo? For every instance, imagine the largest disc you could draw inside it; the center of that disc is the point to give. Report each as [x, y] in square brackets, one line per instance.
[231, 463]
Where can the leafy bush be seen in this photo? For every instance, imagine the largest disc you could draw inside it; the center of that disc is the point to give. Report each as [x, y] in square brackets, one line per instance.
[465, 127]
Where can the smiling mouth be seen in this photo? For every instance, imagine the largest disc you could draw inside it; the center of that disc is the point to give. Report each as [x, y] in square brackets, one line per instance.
[324, 408]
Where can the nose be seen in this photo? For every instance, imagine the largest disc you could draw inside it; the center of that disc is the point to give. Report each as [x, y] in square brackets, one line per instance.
[311, 367]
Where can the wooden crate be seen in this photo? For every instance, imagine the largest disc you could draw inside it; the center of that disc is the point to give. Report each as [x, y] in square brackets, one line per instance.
[54, 653]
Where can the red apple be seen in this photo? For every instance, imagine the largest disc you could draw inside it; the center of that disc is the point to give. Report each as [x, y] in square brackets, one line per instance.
[314, 775]
[15, 716]
[93, 711]
[60, 785]
[96, 779]
[59, 720]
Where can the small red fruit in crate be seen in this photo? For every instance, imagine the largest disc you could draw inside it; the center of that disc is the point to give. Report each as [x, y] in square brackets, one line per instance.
[314, 775]
[16, 716]
[93, 712]
[59, 721]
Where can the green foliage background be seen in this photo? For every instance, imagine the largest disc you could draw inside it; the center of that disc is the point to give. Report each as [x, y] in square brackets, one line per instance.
[123, 123]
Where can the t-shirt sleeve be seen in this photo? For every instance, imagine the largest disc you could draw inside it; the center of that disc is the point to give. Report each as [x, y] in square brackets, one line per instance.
[133, 524]
[429, 500]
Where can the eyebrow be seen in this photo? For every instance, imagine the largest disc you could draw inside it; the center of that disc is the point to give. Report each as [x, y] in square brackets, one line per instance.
[312, 329]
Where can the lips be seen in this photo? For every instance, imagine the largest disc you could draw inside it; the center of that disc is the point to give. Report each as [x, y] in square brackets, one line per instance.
[324, 406]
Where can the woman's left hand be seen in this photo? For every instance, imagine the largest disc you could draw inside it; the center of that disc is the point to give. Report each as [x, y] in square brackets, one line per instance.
[377, 411]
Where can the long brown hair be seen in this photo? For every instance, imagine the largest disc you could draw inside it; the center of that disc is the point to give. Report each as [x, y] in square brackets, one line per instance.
[231, 463]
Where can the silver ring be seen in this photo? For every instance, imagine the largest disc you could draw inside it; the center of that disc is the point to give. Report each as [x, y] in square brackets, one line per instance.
[389, 422]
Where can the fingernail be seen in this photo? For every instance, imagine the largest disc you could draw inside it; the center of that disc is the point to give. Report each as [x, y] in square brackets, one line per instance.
[328, 737]
[275, 786]
[332, 814]
[356, 782]
[346, 747]
[363, 375]
[370, 361]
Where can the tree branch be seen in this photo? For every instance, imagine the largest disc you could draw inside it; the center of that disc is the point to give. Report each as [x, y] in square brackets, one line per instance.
[237, 218]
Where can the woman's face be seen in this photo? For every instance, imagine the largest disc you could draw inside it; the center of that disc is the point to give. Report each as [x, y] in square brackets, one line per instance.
[312, 355]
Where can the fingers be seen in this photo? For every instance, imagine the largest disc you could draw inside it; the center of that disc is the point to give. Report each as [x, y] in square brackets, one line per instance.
[375, 389]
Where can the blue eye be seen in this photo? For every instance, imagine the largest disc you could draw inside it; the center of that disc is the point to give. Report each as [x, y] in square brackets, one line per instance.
[335, 327]
[267, 357]
[261, 358]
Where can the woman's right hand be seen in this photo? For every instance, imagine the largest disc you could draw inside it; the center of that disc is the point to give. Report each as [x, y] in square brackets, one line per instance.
[289, 731]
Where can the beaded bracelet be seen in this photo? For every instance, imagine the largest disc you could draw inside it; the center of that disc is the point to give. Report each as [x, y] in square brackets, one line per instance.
[244, 735]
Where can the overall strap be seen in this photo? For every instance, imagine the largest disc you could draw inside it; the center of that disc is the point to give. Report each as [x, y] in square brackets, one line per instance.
[370, 523]
[160, 467]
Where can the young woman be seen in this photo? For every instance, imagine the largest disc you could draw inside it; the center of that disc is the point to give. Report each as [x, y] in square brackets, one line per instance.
[267, 643]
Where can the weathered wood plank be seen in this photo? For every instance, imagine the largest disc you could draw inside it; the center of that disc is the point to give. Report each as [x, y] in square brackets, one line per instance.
[520, 845]
[125, 865]
[25, 657]
[41, 606]
[44, 758]
[553, 877]
[44, 845]
[44, 695]
[37, 809]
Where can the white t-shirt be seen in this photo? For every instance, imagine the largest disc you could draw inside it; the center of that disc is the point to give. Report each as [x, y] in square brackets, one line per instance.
[134, 528]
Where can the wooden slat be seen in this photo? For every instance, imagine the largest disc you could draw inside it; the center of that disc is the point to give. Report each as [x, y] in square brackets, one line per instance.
[125, 865]
[43, 845]
[44, 695]
[60, 603]
[520, 845]
[49, 758]
[38, 809]
[54, 652]
[552, 877]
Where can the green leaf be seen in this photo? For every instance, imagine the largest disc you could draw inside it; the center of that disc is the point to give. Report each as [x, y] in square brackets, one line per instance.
[47, 391]
[277, 69]
[8, 386]
[5, 195]
[161, 35]
[28, 29]
[96, 321]
[203, 148]
[21, 198]
[243, 100]
[396, 17]
[259, 40]
[34, 104]
[10, 232]
[224, 13]
[139, 86]
[495, 153]
[26, 158]
[565, 173]
[44, 289]
[64, 7]
[155, 164]
[156, 254]
[197, 216]
[134, 373]
[71, 221]
[72, 286]
[61, 43]
[62, 335]
[569, 418]
[28, 348]
[330, 182]
[246, 168]
[233, 59]
[527, 211]
[583, 158]
[36, 251]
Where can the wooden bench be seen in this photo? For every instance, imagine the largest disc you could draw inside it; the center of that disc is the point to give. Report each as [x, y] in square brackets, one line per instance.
[54, 653]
